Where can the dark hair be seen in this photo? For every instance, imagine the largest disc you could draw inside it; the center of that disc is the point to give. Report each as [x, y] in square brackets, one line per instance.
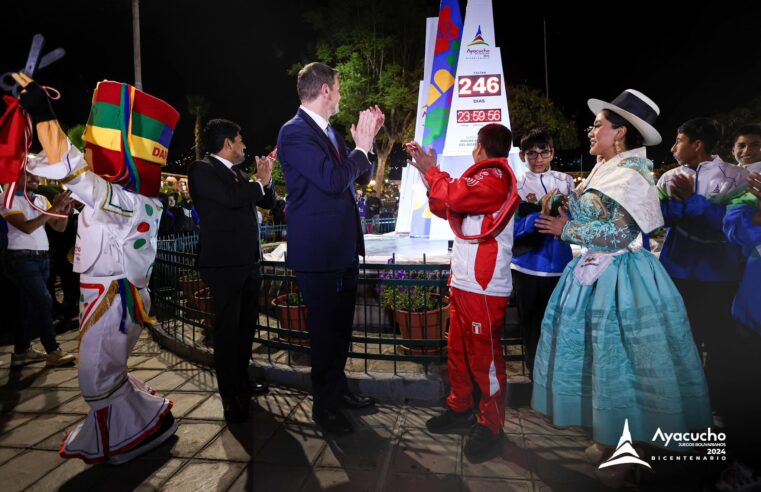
[311, 78]
[215, 132]
[537, 137]
[496, 140]
[707, 130]
[633, 138]
[753, 129]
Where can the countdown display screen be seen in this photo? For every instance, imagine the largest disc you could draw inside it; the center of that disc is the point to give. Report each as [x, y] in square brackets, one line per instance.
[479, 115]
[479, 85]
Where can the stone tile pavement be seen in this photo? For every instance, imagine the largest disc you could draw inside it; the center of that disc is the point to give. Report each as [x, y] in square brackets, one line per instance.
[280, 448]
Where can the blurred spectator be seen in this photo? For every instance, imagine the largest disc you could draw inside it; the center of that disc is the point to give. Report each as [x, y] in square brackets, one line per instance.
[185, 216]
[166, 226]
[61, 258]
[8, 291]
[278, 213]
[27, 264]
[372, 211]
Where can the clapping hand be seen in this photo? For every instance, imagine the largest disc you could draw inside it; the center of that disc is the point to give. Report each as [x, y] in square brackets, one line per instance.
[380, 118]
[547, 224]
[62, 203]
[421, 160]
[264, 167]
[363, 132]
[547, 202]
[682, 187]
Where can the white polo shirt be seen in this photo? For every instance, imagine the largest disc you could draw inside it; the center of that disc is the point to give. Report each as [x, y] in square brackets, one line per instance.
[38, 239]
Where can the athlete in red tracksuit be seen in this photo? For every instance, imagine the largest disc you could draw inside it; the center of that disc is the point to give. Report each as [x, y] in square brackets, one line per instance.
[479, 207]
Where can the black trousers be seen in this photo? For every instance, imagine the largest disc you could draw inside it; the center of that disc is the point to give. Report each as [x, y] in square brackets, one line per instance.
[532, 293]
[235, 293]
[330, 298]
[709, 308]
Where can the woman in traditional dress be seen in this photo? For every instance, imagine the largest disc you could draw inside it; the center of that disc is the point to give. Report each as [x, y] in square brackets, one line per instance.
[616, 348]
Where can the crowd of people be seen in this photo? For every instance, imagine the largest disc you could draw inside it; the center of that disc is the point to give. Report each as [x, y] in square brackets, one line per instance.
[614, 337]
[369, 211]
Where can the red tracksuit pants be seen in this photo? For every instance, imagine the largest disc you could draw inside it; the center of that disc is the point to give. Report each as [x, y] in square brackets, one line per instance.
[475, 353]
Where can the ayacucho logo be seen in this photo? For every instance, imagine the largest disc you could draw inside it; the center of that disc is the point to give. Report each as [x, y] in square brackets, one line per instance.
[690, 439]
[625, 452]
[478, 39]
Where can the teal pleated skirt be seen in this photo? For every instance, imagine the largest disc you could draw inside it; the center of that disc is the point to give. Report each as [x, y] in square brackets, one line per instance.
[619, 349]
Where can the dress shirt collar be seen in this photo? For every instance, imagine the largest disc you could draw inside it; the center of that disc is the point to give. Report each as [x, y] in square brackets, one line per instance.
[228, 164]
[321, 122]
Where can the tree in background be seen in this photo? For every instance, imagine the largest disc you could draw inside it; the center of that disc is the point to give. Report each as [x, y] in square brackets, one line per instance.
[378, 48]
[529, 108]
[198, 106]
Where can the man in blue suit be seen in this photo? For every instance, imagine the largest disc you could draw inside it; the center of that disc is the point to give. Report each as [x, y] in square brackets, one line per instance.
[324, 231]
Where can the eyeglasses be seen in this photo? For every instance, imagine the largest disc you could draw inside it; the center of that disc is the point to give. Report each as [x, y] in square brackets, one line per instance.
[533, 155]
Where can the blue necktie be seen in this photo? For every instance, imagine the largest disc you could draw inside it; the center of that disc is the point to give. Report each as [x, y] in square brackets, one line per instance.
[332, 137]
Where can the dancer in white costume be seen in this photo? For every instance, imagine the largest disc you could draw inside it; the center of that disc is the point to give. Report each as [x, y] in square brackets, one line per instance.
[114, 254]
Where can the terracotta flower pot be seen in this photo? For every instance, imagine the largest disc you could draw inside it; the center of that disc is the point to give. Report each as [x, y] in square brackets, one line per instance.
[203, 300]
[423, 325]
[291, 318]
[190, 284]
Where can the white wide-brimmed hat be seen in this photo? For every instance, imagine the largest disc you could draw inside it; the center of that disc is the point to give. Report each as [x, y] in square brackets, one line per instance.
[637, 109]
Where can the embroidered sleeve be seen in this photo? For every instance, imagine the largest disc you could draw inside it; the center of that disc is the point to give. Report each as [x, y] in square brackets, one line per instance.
[600, 223]
[641, 165]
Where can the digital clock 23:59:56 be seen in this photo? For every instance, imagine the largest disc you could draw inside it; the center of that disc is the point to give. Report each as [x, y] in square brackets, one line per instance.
[479, 115]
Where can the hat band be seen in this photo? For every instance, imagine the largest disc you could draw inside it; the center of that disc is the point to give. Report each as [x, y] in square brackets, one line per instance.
[636, 106]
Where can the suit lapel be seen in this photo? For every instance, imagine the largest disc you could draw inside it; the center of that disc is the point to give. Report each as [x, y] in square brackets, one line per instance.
[323, 137]
[221, 169]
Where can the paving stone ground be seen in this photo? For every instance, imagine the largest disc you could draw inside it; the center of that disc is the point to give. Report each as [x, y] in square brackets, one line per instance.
[280, 448]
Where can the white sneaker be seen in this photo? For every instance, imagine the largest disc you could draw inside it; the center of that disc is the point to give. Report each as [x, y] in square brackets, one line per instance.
[29, 357]
[58, 358]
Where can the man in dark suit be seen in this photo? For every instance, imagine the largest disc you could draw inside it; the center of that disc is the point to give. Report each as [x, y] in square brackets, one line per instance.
[228, 255]
[324, 231]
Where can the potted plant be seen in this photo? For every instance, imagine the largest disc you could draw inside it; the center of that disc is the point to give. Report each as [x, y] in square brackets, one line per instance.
[190, 283]
[292, 313]
[420, 313]
[203, 302]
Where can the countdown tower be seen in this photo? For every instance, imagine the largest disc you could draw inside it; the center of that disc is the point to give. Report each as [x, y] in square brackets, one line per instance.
[480, 98]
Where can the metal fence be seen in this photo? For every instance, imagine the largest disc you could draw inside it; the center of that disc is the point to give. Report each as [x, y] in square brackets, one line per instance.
[270, 233]
[183, 305]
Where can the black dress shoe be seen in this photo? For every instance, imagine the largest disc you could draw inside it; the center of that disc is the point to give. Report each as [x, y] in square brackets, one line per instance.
[235, 410]
[258, 388]
[354, 400]
[254, 389]
[332, 421]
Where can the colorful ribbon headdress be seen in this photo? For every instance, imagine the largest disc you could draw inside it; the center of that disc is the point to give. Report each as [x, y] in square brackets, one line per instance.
[127, 136]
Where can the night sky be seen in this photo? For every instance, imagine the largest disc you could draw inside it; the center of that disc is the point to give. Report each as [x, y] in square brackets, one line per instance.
[692, 63]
